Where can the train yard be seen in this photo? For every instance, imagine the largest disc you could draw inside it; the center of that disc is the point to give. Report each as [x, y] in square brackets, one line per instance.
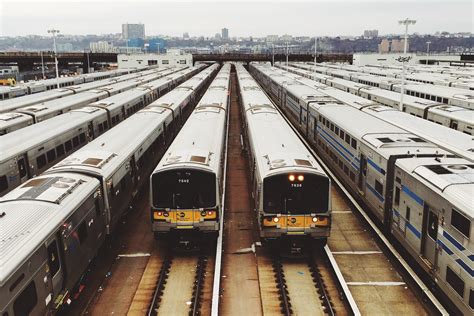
[237, 191]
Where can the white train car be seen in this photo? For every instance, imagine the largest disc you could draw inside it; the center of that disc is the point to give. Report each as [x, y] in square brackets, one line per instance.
[187, 184]
[55, 224]
[391, 169]
[7, 92]
[290, 189]
[52, 108]
[27, 152]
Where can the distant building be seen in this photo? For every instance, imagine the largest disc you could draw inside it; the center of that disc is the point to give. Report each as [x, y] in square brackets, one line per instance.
[173, 58]
[218, 36]
[135, 42]
[66, 47]
[286, 38]
[271, 38]
[156, 44]
[225, 33]
[371, 33]
[102, 47]
[186, 35]
[133, 31]
[392, 46]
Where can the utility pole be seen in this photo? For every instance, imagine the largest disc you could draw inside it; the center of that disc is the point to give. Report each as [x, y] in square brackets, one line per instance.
[55, 54]
[405, 22]
[42, 63]
[287, 54]
[273, 54]
[427, 51]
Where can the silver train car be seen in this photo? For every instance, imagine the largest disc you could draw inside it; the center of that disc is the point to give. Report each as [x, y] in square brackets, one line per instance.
[291, 191]
[459, 144]
[455, 117]
[52, 108]
[187, 184]
[38, 98]
[441, 94]
[420, 194]
[55, 224]
[30, 151]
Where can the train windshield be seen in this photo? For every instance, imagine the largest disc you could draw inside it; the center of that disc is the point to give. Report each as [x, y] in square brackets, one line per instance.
[297, 193]
[184, 189]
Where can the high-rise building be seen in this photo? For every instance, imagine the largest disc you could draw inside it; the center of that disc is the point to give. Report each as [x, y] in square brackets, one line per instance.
[133, 31]
[225, 33]
[371, 33]
[392, 46]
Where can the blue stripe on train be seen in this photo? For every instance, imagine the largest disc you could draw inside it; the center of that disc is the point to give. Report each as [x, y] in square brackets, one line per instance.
[412, 195]
[465, 267]
[453, 241]
[335, 140]
[446, 248]
[375, 166]
[340, 152]
[378, 195]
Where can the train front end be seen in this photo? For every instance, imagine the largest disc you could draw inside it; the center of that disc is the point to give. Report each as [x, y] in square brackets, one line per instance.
[184, 200]
[296, 204]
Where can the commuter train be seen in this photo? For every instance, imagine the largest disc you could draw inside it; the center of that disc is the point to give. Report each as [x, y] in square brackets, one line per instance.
[32, 114]
[455, 117]
[291, 191]
[53, 225]
[30, 151]
[38, 98]
[449, 139]
[187, 184]
[441, 94]
[51, 84]
[420, 194]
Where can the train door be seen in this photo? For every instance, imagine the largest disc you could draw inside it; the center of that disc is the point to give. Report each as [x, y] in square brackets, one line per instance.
[55, 266]
[90, 131]
[133, 171]
[123, 113]
[22, 168]
[429, 235]
[453, 125]
[362, 173]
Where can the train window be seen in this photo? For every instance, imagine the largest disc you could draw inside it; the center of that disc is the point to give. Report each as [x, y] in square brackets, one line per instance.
[75, 141]
[461, 223]
[283, 196]
[26, 301]
[471, 298]
[348, 139]
[354, 143]
[41, 161]
[341, 163]
[336, 130]
[352, 176]
[101, 128]
[97, 207]
[184, 188]
[60, 150]
[407, 215]
[106, 125]
[3, 183]
[445, 100]
[433, 225]
[433, 98]
[53, 258]
[342, 134]
[82, 232]
[379, 187]
[346, 169]
[51, 155]
[438, 99]
[397, 196]
[68, 145]
[332, 127]
[82, 138]
[455, 281]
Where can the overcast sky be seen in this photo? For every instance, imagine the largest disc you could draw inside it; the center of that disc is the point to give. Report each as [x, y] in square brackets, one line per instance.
[243, 18]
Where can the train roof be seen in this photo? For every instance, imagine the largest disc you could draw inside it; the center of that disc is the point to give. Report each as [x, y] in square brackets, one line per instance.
[34, 211]
[277, 148]
[452, 178]
[459, 143]
[21, 140]
[455, 112]
[12, 119]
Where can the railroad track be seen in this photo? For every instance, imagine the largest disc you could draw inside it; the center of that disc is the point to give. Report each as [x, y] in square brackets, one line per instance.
[180, 283]
[301, 286]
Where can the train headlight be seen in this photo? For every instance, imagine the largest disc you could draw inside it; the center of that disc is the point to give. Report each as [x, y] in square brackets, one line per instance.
[276, 219]
[315, 219]
[159, 213]
[210, 213]
[300, 177]
[203, 213]
[291, 177]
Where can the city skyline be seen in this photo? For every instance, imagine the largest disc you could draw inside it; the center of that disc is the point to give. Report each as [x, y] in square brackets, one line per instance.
[173, 19]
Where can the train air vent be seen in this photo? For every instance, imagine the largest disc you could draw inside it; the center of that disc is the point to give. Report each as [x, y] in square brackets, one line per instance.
[92, 161]
[385, 140]
[60, 185]
[417, 139]
[303, 162]
[457, 167]
[35, 182]
[199, 159]
[67, 180]
[438, 169]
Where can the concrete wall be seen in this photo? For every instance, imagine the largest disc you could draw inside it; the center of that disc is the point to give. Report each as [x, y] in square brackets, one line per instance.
[364, 59]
